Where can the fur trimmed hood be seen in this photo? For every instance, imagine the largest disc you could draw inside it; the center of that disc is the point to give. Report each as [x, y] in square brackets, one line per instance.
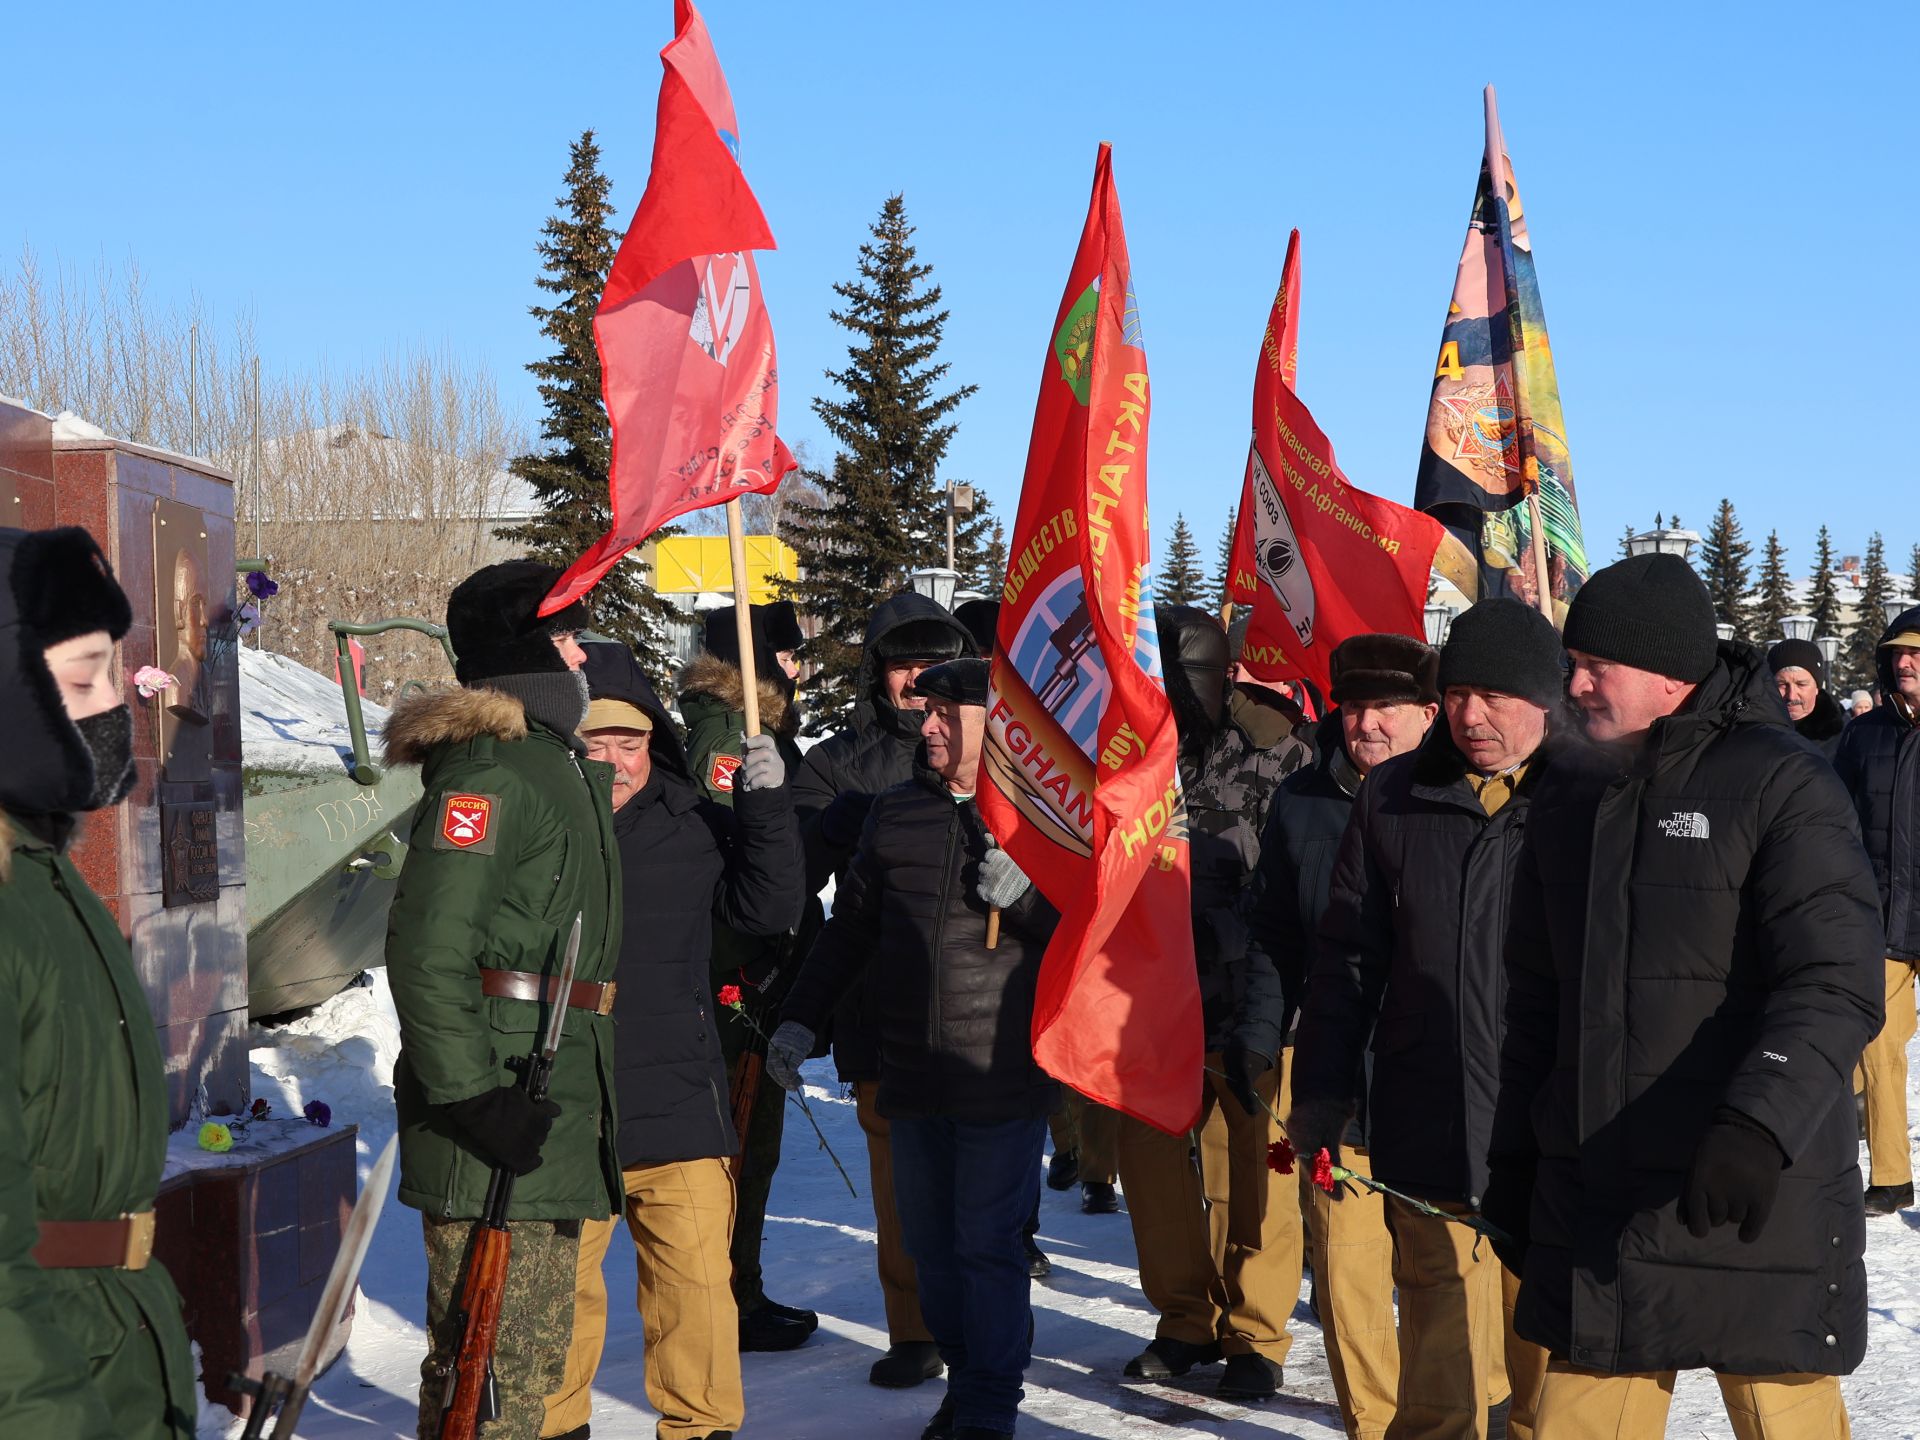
[718, 680]
[421, 723]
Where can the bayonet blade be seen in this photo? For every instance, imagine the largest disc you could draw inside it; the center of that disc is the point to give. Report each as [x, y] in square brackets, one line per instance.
[345, 1274]
[558, 1019]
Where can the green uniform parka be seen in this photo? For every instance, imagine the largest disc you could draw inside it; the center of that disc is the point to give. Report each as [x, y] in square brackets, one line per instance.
[505, 900]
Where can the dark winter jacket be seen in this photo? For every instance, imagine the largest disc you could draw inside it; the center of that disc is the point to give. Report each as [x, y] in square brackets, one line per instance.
[954, 1017]
[873, 753]
[1823, 725]
[1229, 789]
[1694, 927]
[685, 863]
[1410, 950]
[1878, 760]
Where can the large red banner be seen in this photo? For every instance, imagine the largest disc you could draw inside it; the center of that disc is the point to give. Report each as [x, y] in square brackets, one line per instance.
[1084, 790]
[1317, 558]
[686, 346]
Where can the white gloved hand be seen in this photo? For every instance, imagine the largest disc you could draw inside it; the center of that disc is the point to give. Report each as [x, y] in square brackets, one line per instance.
[1001, 881]
[761, 767]
[789, 1044]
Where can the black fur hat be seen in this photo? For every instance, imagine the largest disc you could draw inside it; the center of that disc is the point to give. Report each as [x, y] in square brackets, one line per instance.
[494, 622]
[775, 628]
[928, 639]
[1385, 669]
[982, 619]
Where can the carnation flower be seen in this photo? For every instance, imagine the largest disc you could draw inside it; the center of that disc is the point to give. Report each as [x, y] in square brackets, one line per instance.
[151, 680]
[216, 1137]
[317, 1113]
[1280, 1156]
[730, 996]
[259, 1110]
[1323, 1170]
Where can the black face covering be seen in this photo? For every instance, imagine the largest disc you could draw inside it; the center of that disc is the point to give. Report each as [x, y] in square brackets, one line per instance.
[109, 738]
[558, 701]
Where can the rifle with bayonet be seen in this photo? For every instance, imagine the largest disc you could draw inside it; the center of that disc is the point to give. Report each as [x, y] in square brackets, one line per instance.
[472, 1395]
[286, 1395]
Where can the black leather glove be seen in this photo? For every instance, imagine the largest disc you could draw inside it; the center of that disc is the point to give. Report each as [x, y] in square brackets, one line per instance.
[1508, 1204]
[504, 1126]
[1243, 1068]
[841, 821]
[1316, 1125]
[1734, 1177]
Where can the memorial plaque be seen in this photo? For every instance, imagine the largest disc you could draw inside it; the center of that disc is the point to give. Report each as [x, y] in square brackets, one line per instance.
[189, 855]
[181, 587]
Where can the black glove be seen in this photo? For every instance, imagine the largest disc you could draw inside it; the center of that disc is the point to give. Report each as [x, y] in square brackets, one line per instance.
[1508, 1204]
[1316, 1125]
[841, 821]
[1735, 1177]
[504, 1126]
[1243, 1068]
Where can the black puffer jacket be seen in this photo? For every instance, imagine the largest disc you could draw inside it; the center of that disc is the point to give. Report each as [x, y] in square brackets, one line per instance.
[1879, 763]
[684, 861]
[954, 1017]
[873, 753]
[1411, 951]
[1694, 927]
[1823, 725]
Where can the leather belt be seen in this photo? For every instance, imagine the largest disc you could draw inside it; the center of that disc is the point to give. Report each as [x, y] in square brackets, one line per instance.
[122, 1244]
[593, 995]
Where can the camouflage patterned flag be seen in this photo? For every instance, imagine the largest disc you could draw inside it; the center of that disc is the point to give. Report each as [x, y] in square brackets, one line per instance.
[1494, 467]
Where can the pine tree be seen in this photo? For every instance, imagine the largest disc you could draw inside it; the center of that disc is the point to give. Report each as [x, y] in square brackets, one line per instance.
[1223, 564]
[885, 510]
[1826, 600]
[1857, 655]
[1179, 581]
[990, 575]
[568, 474]
[1626, 542]
[1723, 563]
[1913, 572]
[1773, 600]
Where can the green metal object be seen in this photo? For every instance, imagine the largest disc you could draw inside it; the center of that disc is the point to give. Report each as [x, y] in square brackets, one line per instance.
[363, 769]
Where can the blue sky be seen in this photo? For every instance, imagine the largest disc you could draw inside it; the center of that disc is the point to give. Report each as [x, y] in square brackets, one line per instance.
[1722, 201]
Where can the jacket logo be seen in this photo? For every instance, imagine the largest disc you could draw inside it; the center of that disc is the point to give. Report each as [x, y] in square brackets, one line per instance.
[720, 777]
[1775, 1056]
[466, 823]
[1686, 825]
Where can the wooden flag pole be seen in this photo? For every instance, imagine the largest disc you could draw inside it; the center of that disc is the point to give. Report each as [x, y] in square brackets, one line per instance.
[1541, 575]
[743, 616]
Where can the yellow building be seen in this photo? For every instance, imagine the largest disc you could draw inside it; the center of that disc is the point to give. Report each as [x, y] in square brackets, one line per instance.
[696, 564]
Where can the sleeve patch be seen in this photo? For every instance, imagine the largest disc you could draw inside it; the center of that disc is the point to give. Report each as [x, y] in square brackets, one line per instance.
[467, 823]
[720, 777]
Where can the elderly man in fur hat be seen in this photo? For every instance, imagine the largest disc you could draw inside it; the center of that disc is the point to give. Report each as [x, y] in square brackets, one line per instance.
[512, 839]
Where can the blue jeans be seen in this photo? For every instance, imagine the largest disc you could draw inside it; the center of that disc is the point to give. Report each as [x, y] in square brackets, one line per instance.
[965, 1192]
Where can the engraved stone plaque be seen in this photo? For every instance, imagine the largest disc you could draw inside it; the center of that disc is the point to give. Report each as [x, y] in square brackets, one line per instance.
[189, 855]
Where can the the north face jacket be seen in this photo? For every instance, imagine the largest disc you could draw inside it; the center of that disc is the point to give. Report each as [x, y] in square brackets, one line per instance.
[1878, 760]
[1694, 927]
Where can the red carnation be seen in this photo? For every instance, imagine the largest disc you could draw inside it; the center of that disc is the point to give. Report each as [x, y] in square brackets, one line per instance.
[1323, 1170]
[730, 996]
[1280, 1156]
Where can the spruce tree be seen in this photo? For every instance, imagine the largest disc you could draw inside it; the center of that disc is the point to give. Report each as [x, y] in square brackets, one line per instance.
[1626, 542]
[1773, 600]
[885, 505]
[1723, 564]
[1858, 653]
[1913, 572]
[1179, 581]
[1825, 607]
[1223, 563]
[990, 573]
[568, 473]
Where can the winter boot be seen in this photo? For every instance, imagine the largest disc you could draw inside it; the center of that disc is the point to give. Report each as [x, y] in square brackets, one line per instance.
[1038, 1265]
[1250, 1377]
[1888, 1199]
[1097, 1198]
[906, 1365]
[1063, 1169]
[940, 1427]
[1166, 1358]
[775, 1327]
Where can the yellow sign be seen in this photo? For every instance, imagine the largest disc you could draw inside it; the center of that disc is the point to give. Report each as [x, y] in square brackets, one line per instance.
[689, 564]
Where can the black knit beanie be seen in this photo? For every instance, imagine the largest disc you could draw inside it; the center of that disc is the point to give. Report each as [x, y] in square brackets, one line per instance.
[495, 626]
[1651, 612]
[1503, 644]
[1803, 653]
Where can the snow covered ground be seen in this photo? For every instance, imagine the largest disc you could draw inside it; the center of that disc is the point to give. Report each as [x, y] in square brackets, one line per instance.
[1090, 1316]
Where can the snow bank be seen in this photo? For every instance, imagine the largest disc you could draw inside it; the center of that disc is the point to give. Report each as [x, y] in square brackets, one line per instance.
[69, 426]
[293, 718]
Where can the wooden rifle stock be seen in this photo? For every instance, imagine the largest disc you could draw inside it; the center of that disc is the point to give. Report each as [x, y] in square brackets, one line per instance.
[470, 1395]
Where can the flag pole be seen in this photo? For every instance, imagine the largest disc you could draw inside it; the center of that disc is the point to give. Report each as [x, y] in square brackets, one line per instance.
[743, 616]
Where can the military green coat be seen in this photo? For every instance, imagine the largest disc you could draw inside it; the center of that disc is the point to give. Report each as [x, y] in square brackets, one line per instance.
[84, 1354]
[513, 837]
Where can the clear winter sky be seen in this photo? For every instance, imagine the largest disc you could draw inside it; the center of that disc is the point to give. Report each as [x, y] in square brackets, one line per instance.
[1723, 202]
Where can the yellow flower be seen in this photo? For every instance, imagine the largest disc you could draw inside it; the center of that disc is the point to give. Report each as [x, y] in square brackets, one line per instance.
[216, 1137]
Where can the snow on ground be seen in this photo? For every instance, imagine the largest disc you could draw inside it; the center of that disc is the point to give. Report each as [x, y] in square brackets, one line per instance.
[1090, 1316]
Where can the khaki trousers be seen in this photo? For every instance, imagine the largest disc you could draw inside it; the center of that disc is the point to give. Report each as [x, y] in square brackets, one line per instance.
[1220, 1252]
[1091, 1130]
[1353, 1266]
[1883, 1068]
[898, 1287]
[1458, 1352]
[681, 1218]
[1578, 1404]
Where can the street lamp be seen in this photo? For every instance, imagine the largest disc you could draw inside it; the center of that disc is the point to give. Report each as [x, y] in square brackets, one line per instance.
[1829, 650]
[1797, 627]
[959, 502]
[1439, 620]
[1663, 540]
[1723, 630]
[966, 597]
[937, 583]
[1898, 605]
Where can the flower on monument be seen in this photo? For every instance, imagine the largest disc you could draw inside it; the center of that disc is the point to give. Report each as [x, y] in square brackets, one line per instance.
[318, 1112]
[259, 586]
[151, 680]
[1280, 1156]
[259, 1110]
[215, 1137]
[1323, 1170]
[249, 618]
[730, 997]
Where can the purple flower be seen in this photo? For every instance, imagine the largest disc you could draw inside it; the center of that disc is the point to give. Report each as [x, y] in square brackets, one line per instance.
[317, 1113]
[260, 587]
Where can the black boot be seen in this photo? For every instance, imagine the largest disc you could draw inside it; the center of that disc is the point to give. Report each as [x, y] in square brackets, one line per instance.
[1887, 1199]
[906, 1365]
[1250, 1377]
[1166, 1357]
[940, 1427]
[1038, 1265]
[1097, 1198]
[775, 1327]
[1063, 1169]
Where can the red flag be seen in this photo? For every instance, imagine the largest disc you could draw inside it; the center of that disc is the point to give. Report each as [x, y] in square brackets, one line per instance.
[1317, 558]
[1084, 791]
[686, 346]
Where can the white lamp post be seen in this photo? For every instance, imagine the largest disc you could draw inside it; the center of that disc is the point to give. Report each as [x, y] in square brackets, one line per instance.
[937, 583]
[1898, 605]
[1829, 650]
[1723, 630]
[1439, 620]
[1665, 540]
[1797, 627]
